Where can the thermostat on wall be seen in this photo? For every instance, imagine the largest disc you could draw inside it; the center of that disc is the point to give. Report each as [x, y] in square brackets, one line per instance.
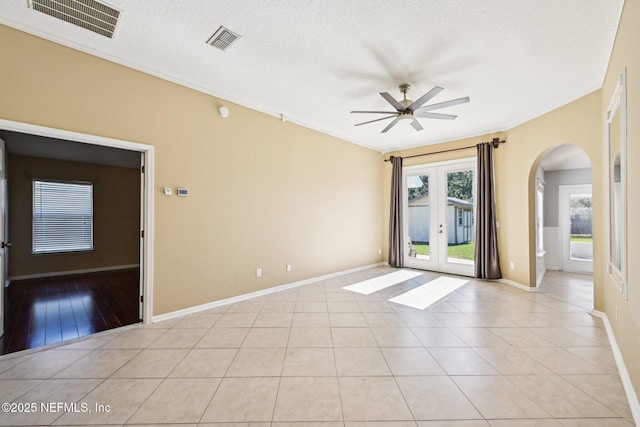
[184, 192]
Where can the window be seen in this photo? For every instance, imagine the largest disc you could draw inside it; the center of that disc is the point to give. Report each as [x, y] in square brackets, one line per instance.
[460, 217]
[62, 216]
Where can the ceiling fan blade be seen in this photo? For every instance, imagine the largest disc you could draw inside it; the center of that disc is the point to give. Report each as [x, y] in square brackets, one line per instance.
[428, 115]
[443, 104]
[376, 112]
[391, 100]
[416, 124]
[376, 120]
[392, 124]
[424, 98]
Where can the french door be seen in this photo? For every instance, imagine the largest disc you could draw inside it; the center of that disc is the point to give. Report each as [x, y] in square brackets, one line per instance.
[575, 224]
[439, 216]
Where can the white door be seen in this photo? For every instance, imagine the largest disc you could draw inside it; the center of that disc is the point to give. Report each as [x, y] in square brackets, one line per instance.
[3, 235]
[575, 223]
[439, 215]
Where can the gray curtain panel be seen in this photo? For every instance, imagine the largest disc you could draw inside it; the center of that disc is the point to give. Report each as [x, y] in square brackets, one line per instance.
[396, 257]
[486, 255]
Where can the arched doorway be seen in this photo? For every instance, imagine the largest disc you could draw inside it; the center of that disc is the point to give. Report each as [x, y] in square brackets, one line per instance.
[563, 244]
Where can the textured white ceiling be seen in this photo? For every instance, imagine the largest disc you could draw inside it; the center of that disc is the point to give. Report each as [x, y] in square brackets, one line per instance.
[316, 60]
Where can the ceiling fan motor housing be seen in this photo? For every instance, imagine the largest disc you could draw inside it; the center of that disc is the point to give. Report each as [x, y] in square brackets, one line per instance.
[404, 88]
[407, 109]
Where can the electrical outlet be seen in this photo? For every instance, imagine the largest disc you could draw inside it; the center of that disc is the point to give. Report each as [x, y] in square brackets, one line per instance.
[288, 267]
[512, 265]
[258, 272]
[379, 251]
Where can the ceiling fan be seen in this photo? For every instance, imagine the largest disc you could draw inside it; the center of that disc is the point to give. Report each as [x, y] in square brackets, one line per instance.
[409, 110]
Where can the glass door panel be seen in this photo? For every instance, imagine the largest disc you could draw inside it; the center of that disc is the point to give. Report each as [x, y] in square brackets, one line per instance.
[460, 214]
[439, 217]
[576, 229]
[580, 236]
[419, 216]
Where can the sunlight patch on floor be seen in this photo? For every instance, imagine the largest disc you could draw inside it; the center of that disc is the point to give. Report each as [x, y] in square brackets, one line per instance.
[427, 294]
[378, 283]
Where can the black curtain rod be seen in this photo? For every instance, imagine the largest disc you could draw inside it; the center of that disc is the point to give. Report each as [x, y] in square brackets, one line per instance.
[495, 142]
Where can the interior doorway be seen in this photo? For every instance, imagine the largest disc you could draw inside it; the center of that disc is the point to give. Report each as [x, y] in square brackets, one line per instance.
[561, 191]
[135, 272]
[439, 216]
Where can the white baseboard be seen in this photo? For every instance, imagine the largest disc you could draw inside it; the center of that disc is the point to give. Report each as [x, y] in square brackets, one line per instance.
[516, 285]
[256, 294]
[622, 369]
[71, 272]
[540, 277]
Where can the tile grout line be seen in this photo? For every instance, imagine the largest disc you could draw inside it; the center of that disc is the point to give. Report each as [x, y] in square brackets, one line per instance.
[378, 343]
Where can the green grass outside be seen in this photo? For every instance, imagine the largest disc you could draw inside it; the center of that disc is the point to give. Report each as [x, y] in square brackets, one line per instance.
[461, 251]
[422, 248]
[584, 239]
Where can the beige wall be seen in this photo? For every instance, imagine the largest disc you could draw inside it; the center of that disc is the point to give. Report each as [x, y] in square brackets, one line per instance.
[263, 193]
[627, 327]
[515, 165]
[266, 193]
[580, 123]
[116, 215]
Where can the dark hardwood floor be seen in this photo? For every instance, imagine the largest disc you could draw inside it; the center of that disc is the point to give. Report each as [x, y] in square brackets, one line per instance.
[50, 310]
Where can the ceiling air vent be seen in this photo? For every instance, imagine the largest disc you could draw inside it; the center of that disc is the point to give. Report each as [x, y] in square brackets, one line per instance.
[223, 38]
[88, 14]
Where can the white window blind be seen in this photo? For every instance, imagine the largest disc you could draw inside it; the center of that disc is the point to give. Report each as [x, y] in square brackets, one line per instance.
[62, 216]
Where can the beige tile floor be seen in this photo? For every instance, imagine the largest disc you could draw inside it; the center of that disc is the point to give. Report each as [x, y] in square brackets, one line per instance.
[486, 355]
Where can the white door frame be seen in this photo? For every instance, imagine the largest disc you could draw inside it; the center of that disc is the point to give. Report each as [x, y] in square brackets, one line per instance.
[147, 198]
[421, 263]
[438, 260]
[143, 210]
[568, 264]
[3, 229]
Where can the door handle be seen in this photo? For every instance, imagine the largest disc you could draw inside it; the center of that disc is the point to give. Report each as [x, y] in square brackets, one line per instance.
[6, 245]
